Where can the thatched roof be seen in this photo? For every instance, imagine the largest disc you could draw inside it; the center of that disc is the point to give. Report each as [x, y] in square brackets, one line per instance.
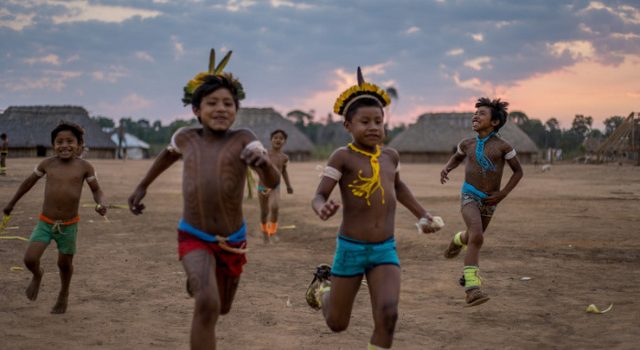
[621, 139]
[30, 126]
[441, 132]
[262, 121]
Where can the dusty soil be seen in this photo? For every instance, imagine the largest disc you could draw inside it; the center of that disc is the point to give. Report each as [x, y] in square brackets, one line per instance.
[574, 231]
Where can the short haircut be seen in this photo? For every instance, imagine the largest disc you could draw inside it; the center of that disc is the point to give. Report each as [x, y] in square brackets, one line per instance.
[279, 131]
[3, 136]
[64, 125]
[498, 109]
[365, 102]
[212, 83]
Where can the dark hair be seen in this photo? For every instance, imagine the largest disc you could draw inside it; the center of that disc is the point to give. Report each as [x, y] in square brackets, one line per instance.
[75, 129]
[280, 131]
[365, 102]
[3, 136]
[211, 84]
[498, 109]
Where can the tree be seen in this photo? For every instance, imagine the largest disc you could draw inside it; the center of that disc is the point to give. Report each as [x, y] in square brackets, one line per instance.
[104, 122]
[554, 133]
[518, 117]
[611, 124]
[581, 124]
[300, 118]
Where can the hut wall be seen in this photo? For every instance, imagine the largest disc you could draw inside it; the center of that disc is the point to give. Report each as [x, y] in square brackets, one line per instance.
[97, 153]
[406, 157]
[299, 156]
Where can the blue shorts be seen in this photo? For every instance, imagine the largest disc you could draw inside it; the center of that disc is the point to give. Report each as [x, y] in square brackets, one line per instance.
[355, 258]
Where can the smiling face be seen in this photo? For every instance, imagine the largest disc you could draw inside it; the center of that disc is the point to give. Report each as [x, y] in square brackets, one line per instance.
[278, 140]
[367, 126]
[66, 145]
[481, 120]
[217, 110]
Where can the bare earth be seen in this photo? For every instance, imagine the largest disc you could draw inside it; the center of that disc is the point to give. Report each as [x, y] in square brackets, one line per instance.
[574, 231]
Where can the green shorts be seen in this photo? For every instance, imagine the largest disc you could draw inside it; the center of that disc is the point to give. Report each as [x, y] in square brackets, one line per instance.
[64, 235]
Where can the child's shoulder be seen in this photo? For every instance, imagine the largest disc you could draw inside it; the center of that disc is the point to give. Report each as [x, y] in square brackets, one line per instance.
[187, 131]
[502, 142]
[392, 152]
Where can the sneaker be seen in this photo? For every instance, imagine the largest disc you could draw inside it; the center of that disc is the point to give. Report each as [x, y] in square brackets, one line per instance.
[321, 279]
[453, 249]
[476, 297]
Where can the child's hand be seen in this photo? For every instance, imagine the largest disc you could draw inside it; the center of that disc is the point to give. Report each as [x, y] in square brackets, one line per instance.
[494, 198]
[101, 209]
[444, 176]
[430, 224]
[328, 209]
[8, 209]
[134, 201]
[290, 190]
[256, 157]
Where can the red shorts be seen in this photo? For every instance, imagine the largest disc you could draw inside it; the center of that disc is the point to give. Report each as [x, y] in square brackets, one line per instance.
[228, 263]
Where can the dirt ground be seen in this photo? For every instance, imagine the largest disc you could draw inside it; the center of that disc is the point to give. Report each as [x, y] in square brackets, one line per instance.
[574, 231]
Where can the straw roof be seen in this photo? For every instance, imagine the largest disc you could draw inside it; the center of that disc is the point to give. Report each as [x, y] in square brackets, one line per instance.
[262, 121]
[30, 126]
[441, 132]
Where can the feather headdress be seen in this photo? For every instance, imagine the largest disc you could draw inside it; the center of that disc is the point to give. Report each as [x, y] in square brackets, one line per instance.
[360, 91]
[215, 71]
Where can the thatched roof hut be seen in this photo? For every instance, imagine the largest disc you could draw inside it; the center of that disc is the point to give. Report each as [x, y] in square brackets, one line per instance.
[434, 137]
[29, 130]
[624, 141]
[262, 121]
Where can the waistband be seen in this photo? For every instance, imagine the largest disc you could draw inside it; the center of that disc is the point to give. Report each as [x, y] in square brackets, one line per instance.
[470, 189]
[346, 239]
[49, 221]
[236, 237]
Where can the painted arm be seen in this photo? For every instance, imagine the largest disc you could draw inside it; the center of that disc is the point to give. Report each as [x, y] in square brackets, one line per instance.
[496, 197]
[322, 206]
[164, 160]
[453, 163]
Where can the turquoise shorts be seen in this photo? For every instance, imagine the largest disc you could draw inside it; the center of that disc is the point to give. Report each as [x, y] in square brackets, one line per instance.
[355, 258]
[64, 235]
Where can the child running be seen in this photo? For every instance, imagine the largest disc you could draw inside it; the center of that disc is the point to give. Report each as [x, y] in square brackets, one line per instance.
[484, 156]
[59, 219]
[369, 181]
[268, 197]
[212, 231]
[4, 153]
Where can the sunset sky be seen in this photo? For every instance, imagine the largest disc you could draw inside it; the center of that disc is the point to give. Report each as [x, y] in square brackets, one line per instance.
[119, 58]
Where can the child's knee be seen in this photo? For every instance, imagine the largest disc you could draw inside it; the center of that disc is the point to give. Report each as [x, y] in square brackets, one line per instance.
[207, 306]
[388, 315]
[475, 238]
[65, 265]
[337, 325]
[31, 261]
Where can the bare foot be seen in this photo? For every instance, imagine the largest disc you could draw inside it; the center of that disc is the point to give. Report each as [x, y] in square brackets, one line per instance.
[34, 286]
[61, 305]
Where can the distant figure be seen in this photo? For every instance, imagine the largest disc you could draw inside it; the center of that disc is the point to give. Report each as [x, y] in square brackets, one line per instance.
[269, 198]
[369, 181]
[4, 153]
[66, 174]
[484, 157]
[212, 231]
